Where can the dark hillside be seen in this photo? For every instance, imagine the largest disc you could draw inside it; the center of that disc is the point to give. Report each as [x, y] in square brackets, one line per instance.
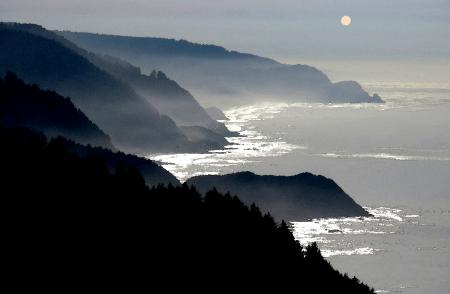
[69, 223]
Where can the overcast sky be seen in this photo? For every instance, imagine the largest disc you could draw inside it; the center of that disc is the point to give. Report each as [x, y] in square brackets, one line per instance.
[407, 31]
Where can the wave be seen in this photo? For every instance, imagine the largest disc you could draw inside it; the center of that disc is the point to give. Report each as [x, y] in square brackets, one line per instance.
[383, 155]
[357, 251]
[385, 213]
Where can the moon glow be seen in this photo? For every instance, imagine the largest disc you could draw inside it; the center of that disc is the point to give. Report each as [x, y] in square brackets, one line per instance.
[346, 20]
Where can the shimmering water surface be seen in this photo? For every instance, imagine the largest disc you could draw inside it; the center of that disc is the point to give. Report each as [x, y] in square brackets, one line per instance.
[251, 147]
[392, 158]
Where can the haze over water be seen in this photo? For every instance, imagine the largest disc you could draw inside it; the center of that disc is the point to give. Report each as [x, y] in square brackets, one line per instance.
[392, 158]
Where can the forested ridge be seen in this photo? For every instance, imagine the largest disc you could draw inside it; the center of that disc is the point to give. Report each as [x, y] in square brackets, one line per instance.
[71, 224]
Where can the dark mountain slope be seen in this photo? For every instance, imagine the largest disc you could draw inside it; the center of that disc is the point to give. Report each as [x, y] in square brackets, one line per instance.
[220, 77]
[299, 197]
[23, 105]
[133, 123]
[165, 94]
[168, 97]
[216, 113]
[152, 173]
[69, 223]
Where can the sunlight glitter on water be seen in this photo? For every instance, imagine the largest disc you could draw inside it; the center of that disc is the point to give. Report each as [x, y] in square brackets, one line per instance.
[337, 236]
[250, 146]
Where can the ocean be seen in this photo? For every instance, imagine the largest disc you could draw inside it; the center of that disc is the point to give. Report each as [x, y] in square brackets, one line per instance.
[392, 158]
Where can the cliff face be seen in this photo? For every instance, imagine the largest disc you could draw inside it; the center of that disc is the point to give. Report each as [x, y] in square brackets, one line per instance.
[300, 197]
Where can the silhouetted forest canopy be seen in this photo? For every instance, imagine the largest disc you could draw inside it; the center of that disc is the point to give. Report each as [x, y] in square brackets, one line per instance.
[71, 224]
[152, 172]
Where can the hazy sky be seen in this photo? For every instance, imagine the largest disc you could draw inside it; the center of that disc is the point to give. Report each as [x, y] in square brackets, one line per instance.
[410, 32]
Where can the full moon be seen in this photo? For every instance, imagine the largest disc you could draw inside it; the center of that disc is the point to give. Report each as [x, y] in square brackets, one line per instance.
[346, 20]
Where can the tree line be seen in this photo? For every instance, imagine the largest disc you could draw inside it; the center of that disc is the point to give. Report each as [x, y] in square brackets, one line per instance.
[72, 224]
